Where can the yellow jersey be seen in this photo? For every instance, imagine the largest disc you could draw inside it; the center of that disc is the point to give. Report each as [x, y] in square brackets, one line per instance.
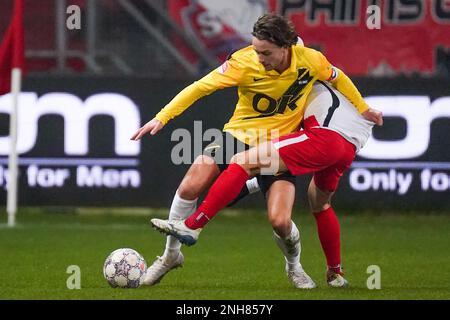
[269, 104]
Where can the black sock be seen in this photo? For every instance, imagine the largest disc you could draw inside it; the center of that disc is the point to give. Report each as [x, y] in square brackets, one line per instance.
[244, 192]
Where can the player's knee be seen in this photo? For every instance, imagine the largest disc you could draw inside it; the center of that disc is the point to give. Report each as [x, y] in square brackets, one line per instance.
[318, 205]
[280, 223]
[188, 191]
[204, 160]
[202, 172]
[238, 158]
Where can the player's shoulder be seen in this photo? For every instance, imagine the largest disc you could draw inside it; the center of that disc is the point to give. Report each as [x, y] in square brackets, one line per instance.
[245, 56]
[311, 55]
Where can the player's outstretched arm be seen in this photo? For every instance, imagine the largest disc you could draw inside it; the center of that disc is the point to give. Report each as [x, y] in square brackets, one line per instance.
[152, 127]
[374, 116]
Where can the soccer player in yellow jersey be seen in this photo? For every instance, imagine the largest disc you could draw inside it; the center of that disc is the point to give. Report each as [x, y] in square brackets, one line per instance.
[274, 77]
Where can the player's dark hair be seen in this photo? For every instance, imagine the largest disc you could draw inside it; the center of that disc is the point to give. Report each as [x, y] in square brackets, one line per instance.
[275, 29]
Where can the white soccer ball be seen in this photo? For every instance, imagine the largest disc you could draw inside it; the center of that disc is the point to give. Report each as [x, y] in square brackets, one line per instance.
[124, 268]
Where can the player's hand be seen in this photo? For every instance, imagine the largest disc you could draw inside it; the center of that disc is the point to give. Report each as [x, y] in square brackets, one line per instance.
[152, 127]
[374, 116]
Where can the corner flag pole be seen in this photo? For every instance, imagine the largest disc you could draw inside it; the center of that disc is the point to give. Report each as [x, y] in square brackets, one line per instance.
[13, 165]
[12, 64]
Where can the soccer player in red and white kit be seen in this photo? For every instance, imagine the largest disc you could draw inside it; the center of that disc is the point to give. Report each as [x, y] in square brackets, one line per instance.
[333, 131]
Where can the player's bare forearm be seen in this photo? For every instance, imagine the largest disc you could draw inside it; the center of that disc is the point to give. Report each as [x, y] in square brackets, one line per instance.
[152, 127]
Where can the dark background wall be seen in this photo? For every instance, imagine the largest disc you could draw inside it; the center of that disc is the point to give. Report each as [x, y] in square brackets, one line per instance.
[159, 177]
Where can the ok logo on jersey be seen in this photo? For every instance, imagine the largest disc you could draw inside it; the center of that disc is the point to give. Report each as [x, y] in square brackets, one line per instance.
[288, 99]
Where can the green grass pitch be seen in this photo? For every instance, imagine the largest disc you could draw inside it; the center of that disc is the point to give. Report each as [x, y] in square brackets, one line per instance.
[235, 258]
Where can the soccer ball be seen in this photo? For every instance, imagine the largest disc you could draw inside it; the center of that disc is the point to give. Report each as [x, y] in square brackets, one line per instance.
[124, 268]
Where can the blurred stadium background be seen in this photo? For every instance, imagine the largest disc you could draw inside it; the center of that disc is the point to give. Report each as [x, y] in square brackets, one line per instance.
[87, 90]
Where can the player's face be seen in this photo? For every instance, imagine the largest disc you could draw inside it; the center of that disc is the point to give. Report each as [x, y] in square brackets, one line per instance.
[270, 55]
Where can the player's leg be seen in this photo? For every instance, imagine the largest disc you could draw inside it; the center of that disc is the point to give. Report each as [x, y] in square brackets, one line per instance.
[280, 201]
[198, 178]
[328, 155]
[328, 229]
[262, 158]
[320, 191]
[329, 233]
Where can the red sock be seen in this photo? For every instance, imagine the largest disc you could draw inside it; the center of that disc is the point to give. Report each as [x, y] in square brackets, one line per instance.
[225, 189]
[329, 235]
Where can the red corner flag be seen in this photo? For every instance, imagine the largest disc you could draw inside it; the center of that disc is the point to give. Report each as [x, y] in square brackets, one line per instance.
[12, 48]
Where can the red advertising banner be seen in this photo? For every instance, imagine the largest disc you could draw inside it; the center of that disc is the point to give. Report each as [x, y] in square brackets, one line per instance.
[219, 26]
[363, 37]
